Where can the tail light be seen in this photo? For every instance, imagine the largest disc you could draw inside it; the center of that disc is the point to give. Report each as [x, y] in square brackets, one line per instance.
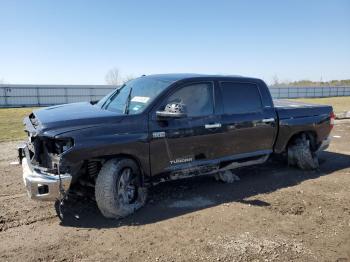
[332, 117]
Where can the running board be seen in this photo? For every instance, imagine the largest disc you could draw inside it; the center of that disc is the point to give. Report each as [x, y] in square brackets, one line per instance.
[198, 172]
[235, 165]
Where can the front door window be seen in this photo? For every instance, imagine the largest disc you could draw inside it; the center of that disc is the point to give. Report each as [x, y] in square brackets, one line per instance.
[197, 99]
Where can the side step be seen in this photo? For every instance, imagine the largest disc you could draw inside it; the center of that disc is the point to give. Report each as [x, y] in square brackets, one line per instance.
[235, 165]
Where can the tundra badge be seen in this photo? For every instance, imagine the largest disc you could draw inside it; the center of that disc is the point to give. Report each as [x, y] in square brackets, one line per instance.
[158, 134]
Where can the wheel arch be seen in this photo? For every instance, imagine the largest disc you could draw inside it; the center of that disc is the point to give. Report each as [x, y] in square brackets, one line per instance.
[311, 135]
[103, 159]
[131, 157]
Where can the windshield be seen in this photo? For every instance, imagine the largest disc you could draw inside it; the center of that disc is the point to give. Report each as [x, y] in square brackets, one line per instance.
[134, 96]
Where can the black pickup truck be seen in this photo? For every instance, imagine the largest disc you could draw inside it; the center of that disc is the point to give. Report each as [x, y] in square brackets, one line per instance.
[164, 127]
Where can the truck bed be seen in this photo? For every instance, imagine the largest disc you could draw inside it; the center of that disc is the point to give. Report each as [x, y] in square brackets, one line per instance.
[292, 109]
[295, 117]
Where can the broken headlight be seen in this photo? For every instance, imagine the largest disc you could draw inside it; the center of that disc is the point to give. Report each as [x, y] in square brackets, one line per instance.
[62, 145]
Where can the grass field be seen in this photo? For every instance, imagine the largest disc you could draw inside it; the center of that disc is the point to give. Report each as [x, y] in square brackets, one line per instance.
[340, 104]
[11, 127]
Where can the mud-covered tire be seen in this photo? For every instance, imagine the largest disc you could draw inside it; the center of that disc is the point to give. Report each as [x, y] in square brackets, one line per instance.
[301, 155]
[108, 189]
[226, 176]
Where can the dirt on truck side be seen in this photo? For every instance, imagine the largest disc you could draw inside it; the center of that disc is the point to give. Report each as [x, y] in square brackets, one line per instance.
[273, 213]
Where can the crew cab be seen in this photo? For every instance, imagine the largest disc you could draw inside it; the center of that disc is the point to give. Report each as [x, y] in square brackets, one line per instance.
[164, 127]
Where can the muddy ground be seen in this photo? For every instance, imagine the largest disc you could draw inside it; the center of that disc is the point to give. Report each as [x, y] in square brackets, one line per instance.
[274, 213]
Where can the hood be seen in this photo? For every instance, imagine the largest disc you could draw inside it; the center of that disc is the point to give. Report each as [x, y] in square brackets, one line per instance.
[68, 117]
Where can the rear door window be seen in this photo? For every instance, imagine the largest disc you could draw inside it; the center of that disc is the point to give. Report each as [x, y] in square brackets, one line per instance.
[240, 98]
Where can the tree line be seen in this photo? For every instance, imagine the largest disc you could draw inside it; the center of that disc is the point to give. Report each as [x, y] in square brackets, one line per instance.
[345, 82]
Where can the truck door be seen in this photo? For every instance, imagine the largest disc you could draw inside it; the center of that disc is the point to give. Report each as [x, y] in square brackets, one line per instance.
[184, 143]
[248, 127]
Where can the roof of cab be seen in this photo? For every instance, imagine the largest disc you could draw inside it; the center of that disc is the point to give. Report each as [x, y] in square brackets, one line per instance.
[182, 76]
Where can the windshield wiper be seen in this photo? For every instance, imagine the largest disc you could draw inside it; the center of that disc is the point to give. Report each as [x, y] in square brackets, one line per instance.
[106, 103]
[126, 110]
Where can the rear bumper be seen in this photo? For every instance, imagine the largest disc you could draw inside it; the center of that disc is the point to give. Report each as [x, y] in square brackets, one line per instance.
[41, 185]
[325, 144]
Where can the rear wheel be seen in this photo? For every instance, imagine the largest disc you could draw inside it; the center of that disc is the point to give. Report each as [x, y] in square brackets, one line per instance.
[118, 189]
[301, 155]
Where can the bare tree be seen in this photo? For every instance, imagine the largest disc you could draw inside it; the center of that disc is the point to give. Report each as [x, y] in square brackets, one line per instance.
[275, 80]
[128, 78]
[113, 77]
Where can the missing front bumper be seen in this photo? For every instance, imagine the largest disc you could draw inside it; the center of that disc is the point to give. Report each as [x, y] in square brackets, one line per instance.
[41, 185]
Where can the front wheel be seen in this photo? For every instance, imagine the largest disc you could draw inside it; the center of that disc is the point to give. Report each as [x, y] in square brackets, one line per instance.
[118, 189]
[301, 155]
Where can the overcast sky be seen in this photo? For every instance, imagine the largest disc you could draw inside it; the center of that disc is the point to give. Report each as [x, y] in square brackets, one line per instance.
[77, 42]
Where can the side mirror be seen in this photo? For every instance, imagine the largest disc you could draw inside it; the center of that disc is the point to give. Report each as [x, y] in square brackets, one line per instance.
[94, 102]
[172, 110]
[165, 115]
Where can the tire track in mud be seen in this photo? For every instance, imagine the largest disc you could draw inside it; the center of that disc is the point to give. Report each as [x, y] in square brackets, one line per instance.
[9, 196]
[17, 210]
[6, 224]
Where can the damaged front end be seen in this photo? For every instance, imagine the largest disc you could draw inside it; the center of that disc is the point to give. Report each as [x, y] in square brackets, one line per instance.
[45, 174]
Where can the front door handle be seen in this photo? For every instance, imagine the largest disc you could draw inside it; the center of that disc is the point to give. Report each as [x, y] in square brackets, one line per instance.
[216, 125]
[268, 120]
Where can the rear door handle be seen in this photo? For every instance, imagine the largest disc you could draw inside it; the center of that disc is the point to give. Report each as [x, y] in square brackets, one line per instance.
[216, 125]
[268, 120]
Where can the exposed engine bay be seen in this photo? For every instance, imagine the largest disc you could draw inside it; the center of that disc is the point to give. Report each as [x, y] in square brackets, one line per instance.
[45, 152]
